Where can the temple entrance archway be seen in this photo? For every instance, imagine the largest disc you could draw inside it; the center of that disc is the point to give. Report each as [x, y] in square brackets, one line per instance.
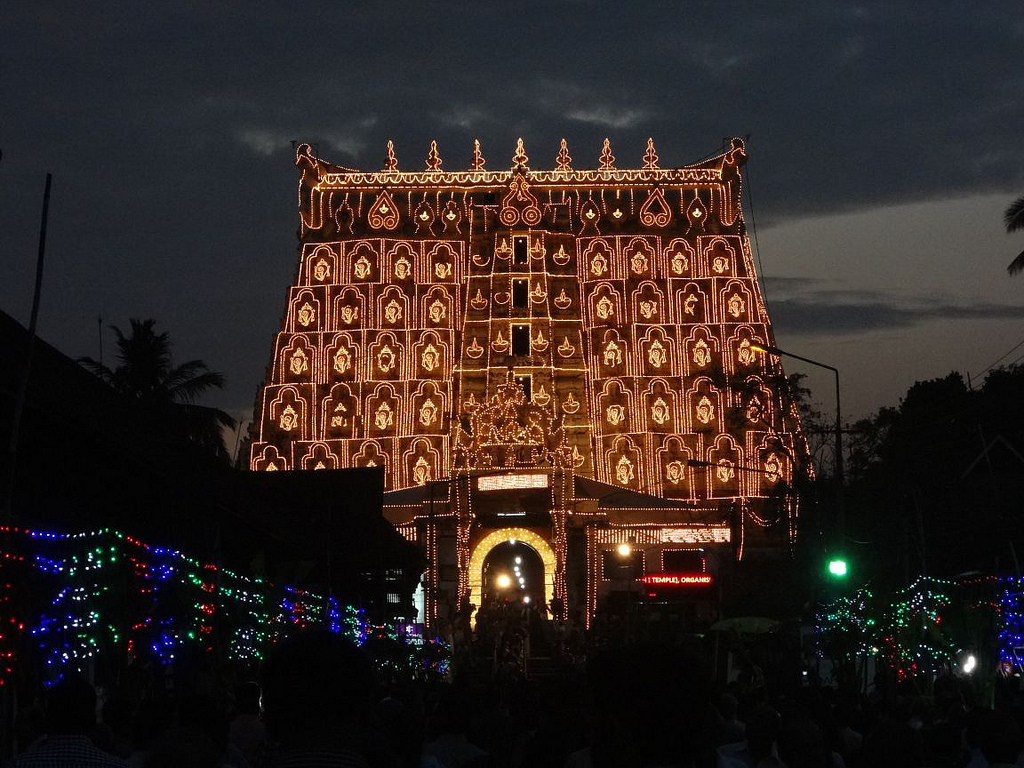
[499, 549]
[514, 571]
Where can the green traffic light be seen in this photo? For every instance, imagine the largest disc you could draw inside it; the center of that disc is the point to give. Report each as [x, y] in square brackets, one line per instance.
[838, 568]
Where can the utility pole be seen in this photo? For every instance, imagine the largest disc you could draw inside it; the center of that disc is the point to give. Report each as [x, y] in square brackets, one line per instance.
[19, 402]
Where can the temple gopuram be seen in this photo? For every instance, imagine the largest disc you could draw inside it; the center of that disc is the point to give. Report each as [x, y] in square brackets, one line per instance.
[559, 371]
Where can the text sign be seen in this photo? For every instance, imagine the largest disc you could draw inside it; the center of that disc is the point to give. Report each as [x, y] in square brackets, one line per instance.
[677, 579]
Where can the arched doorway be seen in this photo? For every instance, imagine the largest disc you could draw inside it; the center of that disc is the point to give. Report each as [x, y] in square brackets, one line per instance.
[521, 543]
[513, 570]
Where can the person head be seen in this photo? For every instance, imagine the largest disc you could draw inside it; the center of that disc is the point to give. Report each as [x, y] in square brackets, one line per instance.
[1000, 737]
[316, 690]
[651, 705]
[71, 707]
[247, 698]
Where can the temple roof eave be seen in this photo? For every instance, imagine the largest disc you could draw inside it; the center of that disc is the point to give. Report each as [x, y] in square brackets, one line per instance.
[330, 176]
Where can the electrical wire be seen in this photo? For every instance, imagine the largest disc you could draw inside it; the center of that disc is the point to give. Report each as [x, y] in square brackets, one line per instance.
[1017, 346]
[753, 228]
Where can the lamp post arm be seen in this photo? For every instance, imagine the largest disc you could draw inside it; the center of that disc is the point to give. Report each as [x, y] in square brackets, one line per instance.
[840, 474]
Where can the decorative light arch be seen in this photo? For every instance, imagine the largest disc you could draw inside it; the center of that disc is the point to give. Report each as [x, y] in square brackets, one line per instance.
[489, 542]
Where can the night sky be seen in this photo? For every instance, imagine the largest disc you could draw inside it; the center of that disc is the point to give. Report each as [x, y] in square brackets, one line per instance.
[885, 141]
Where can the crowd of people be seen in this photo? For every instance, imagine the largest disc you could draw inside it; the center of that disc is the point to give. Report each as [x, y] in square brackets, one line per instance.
[319, 702]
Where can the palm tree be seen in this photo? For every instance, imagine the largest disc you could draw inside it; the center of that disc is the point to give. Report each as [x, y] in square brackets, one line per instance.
[1014, 220]
[163, 392]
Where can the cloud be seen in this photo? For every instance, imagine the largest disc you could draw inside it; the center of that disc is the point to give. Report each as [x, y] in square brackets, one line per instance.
[823, 312]
[609, 117]
[263, 141]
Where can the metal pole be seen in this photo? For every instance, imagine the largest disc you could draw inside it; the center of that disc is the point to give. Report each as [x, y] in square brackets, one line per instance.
[839, 468]
[19, 403]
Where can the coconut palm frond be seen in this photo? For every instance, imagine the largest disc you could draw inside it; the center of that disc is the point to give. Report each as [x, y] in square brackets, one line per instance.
[1017, 265]
[1013, 217]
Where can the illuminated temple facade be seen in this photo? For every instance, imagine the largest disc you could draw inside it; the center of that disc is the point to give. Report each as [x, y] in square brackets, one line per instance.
[558, 359]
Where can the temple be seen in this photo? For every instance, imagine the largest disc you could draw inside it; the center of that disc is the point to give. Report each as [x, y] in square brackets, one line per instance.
[560, 371]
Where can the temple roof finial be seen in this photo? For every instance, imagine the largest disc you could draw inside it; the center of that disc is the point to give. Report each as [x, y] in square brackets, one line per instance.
[433, 158]
[563, 159]
[477, 163]
[650, 156]
[520, 160]
[607, 158]
[391, 162]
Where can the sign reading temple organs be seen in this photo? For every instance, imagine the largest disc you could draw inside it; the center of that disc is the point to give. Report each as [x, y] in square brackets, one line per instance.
[677, 579]
[598, 326]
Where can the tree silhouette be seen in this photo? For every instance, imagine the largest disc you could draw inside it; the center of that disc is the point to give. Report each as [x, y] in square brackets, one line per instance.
[163, 393]
[1013, 218]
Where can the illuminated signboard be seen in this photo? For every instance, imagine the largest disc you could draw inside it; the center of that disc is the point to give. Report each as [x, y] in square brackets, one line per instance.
[677, 579]
[512, 482]
[711, 534]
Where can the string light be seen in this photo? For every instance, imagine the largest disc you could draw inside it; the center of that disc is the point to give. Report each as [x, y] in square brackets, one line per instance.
[112, 593]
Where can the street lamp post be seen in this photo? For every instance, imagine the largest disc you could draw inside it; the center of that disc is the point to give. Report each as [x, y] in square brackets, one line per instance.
[840, 478]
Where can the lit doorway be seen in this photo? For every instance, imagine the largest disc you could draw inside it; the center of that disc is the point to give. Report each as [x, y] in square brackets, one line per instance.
[513, 571]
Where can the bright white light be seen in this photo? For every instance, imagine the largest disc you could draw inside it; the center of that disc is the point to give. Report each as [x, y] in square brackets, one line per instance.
[624, 549]
[969, 664]
[519, 560]
[526, 599]
[504, 581]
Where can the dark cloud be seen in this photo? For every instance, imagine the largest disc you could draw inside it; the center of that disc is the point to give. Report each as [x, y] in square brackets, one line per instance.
[807, 308]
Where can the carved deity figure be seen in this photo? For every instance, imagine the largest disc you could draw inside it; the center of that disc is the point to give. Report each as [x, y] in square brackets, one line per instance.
[624, 471]
[724, 471]
[754, 408]
[657, 354]
[720, 264]
[690, 304]
[340, 416]
[598, 265]
[638, 263]
[385, 359]
[701, 353]
[772, 468]
[342, 360]
[737, 306]
[321, 270]
[384, 417]
[289, 419]
[674, 472]
[393, 311]
[679, 262]
[437, 311]
[612, 354]
[421, 471]
[349, 314]
[307, 315]
[745, 354]
[403, 268]
[615, 415]
[362, 267]
[605, 308]
[428, 413]
[431, 358]
[648, 309]
[659, 412]
[299, 362]
[705, 410]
